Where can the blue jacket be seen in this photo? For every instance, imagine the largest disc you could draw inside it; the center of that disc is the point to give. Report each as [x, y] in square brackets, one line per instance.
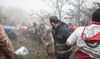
[60, 35]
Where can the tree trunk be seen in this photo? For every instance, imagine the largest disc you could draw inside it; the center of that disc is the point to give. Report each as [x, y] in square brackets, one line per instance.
[58, 9]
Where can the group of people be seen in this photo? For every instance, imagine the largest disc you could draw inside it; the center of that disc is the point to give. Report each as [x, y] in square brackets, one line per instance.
[86, 38]
[60, 38]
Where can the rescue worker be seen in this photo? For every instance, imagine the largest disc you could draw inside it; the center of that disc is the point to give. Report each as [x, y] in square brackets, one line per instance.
[87, 39]
[47, 39]
[6, 48]
[71, 27]
[60, 34]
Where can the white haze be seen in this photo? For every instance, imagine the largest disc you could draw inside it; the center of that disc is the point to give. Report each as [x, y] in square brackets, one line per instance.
[27, 5]
[20, 10]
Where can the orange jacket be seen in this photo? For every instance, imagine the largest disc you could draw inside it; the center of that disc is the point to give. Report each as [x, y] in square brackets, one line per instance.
[74, 27]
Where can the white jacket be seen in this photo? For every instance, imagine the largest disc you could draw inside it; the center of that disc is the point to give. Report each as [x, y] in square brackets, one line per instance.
[91, 49]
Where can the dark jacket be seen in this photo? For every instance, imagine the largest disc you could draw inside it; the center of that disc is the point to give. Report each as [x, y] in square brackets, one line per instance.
[60, 35]
[63, 24]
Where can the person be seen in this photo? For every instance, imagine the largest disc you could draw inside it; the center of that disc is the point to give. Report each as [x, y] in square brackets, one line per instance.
[5, 21]
[36, 36]
[87, 39]
[60, 34]
[84, 22]
[71, 27]
[30, 32]
[6, 48]
[13, 23]
[47, 39]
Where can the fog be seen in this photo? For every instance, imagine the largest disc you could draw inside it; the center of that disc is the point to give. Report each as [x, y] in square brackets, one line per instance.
[25, 11]
[20, 10]
[27, 5]
[18, 18]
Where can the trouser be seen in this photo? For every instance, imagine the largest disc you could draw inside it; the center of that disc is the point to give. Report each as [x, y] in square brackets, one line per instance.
[50, 49]
[64, 57]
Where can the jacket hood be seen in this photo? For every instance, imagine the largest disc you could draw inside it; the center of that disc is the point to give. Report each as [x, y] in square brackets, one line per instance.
[91, 34]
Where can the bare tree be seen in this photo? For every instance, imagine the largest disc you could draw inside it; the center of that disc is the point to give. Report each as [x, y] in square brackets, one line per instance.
[40, 16]
[77, 10]
[81, 8]
[88, 11]
[57, 6]
[96, 4]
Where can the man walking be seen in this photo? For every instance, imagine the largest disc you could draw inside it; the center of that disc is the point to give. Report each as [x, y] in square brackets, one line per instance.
[60, 34]
[47, 39]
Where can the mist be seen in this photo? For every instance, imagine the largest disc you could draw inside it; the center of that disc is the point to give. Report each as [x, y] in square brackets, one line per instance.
[17, 14]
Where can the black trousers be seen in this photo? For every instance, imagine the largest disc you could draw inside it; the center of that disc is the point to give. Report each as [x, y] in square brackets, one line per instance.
[64, 57]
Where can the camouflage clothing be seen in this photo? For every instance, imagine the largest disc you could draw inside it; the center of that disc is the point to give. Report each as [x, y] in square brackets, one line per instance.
[48, 40]
[6, 48]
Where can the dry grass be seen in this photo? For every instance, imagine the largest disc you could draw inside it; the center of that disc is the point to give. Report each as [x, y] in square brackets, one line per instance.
[37, 51]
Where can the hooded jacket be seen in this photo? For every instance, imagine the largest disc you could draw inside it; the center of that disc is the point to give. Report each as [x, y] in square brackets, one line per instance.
[87, 41]
[60, 35]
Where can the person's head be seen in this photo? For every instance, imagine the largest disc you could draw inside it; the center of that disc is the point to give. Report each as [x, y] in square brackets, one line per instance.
[42, 25]
[82, 23]
[96, 16]
[34, 23]
[54, 21]
[70, 25]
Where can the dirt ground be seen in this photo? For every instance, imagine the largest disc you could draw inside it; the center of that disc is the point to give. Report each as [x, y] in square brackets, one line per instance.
[37, 51]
